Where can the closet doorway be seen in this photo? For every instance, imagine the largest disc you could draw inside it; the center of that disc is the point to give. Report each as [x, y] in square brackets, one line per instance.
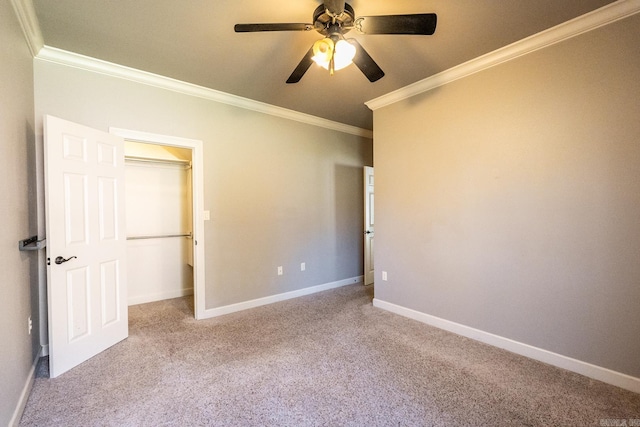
[165, 244]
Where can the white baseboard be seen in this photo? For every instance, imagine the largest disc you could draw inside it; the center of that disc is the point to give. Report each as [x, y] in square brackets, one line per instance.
[592, 371]
[26, 390]
[232, 308]
[159, 296]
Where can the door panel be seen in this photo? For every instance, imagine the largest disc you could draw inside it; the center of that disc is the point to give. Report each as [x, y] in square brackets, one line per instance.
[110, 288]
[108, 208]
[84, 198]
[79, 300]
[76, 221]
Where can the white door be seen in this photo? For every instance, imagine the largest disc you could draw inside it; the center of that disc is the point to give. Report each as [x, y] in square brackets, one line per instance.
[86, 242]
[368, 225]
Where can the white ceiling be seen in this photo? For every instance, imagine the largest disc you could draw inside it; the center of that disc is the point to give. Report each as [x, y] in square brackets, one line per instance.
[194, 41]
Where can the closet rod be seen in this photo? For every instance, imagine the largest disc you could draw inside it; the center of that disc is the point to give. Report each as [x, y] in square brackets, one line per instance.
[162, 236]
[157, 161]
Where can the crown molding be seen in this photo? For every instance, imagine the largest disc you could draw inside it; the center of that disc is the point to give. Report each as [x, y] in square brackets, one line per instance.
[590, 21]
[29, 22]
[63, 57]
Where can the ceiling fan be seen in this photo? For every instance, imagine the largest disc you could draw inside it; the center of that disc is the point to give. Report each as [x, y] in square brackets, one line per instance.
[335, 18]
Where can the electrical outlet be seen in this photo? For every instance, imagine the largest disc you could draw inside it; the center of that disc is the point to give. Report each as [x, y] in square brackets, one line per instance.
[280, 271]
[206, 215]
[303, 266]
[30, 325]
[384, 276]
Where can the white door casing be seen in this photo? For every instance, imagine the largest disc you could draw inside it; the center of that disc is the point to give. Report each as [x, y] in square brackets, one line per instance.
[368, 225]
[85, 220]
[197, 200]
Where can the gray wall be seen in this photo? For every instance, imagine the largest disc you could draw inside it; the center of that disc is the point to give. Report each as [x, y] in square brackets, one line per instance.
[280, 192]
[509, 201]
[17, 188]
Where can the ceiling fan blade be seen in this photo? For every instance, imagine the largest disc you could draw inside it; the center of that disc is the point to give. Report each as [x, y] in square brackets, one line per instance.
[336, 7]
[418, 24]
[250, 28]
[366, 64]
[302, 68]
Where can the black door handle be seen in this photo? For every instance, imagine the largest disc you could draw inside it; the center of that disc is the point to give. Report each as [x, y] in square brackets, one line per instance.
[60, 260]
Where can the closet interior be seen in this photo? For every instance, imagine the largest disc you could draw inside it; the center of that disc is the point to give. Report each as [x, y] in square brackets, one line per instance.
[159, 222]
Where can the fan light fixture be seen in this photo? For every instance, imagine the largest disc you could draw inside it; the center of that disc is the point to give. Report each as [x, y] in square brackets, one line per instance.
[335, 18]
[333, 56]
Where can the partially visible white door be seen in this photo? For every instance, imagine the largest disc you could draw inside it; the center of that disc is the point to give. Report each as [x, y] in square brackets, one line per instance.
[86, 242]
[368, 225]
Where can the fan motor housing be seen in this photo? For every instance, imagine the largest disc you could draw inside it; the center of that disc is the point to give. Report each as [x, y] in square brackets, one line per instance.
[322, 21]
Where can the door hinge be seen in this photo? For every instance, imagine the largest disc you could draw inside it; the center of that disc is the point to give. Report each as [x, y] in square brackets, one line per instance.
[48, 261]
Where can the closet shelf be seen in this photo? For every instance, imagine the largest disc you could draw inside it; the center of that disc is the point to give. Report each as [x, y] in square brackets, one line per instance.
[137, 159]
[161, 236]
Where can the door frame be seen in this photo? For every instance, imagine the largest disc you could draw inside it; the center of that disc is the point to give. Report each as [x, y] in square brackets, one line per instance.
[197, 200]
[369, 226]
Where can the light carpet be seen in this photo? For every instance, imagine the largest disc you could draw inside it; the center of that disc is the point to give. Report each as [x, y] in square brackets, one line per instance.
[328, 359]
